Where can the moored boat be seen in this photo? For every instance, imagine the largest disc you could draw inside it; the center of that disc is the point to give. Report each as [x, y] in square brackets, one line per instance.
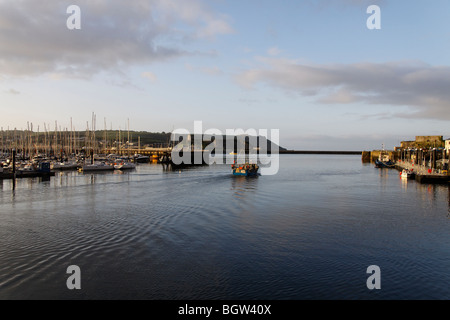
[141, 159]
[384, 164]
[123, 165]
[64, 166]
[384, 161]
[97, 167]
[28, 167]
[407, 174]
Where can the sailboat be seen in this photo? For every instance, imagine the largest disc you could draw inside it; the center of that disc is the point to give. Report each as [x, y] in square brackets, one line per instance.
[95, 166]
[121, 164]
[71, 165]
[99, 166]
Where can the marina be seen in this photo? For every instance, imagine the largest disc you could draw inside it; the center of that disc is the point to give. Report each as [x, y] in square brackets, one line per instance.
[22, 152]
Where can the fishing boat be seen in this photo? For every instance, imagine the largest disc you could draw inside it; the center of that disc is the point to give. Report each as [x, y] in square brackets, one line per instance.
[246, 169]
[384, 164]
[384, 160]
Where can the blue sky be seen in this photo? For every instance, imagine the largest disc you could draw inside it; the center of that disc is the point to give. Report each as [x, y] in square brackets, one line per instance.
[311, 69]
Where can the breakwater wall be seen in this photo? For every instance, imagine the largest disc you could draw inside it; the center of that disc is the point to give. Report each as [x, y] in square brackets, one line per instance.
[320, 152]
[371, 156]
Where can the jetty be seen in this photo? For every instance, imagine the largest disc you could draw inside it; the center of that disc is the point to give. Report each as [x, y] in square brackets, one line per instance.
[25, 174]
[424, 174]
[426, 158]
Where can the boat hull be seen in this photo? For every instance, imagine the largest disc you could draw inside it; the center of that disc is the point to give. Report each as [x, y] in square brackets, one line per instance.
[65, 167]
[142, 160]
[124, 167]
[381, 164]
[97, 168]
[244, 173]
[246, 170]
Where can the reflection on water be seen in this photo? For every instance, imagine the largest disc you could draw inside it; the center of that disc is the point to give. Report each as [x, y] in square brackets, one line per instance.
[241, 185]
[310, 232]
[385, 175]
[404, 183]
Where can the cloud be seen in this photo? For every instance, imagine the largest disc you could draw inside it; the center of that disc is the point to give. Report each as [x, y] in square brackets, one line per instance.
[114, 34]
[417, 85]
[274, 51]
[12, 91]
[194, 13]
[346, 3]
[214, 70]
[342, 142]
[150, 76]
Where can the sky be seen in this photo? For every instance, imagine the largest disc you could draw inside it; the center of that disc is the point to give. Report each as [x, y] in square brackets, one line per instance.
[311, 69]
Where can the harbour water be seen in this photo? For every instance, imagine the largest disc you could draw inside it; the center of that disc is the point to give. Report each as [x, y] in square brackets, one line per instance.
[309, 232]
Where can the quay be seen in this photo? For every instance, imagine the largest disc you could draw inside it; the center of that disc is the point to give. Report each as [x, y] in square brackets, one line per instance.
[427, 158]
[155, 153]
[23, 174]
[422, 174]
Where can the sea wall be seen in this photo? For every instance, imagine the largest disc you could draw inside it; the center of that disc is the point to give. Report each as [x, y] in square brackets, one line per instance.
[371, 156]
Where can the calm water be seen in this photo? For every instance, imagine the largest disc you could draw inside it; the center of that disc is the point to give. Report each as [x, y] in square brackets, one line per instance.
[310, 232]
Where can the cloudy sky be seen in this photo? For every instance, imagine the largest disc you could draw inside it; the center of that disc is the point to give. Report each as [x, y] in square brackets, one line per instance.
[310, 68]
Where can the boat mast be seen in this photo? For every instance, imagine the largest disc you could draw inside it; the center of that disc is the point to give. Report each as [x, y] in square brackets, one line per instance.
[128, 138]
[71, 136]
[105, 146]
[37, 141]
[120, 141]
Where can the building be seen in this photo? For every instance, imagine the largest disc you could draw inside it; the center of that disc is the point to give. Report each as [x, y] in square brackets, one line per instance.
[407, 144]
[430, 141]
[424, 142]
[447, 145]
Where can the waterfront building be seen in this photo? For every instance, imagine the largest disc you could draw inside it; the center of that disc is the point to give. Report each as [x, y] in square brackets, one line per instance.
[424, 142]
